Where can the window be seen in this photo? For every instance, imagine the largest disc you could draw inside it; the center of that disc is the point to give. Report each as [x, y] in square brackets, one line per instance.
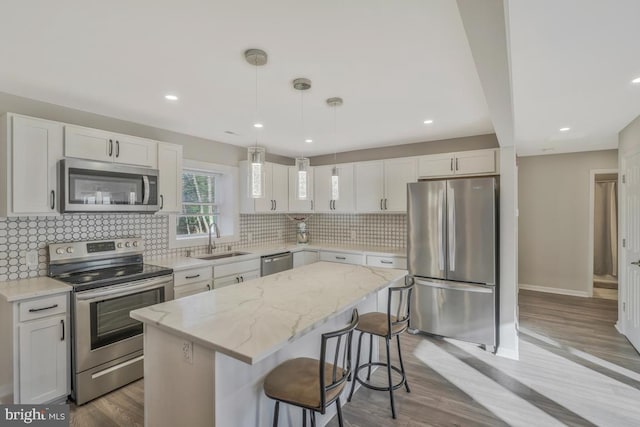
[209, 195]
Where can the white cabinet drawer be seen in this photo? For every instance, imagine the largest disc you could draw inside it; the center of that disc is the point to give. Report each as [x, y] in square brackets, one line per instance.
[192, 288]
[236, 267]
[344, 258]
[191, 276]
[43, 307]
[387, 261]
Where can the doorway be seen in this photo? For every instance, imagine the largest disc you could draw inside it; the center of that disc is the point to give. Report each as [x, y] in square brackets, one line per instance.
[604, 233]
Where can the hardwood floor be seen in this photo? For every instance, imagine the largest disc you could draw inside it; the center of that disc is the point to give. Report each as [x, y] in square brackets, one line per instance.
[574, 369]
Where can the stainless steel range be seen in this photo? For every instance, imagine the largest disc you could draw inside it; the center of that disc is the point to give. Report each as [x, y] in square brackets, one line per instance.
[109, 280]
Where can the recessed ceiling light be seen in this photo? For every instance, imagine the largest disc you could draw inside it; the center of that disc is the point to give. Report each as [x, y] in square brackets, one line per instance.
[565, 129]
[258, 125]
[171, 97]
[636, 80]
[308, 141]
[428, 122]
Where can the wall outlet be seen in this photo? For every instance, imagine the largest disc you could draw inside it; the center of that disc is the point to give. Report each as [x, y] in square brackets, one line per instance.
[187, 352]
[353, 235]
[32, 259]
[249, 237]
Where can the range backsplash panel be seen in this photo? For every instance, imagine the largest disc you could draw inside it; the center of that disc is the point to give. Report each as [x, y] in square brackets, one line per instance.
[23, 234]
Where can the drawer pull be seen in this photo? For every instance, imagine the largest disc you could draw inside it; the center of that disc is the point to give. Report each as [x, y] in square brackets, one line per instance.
[341, 257]
[192, 277]
[383, 261]
[35, 310]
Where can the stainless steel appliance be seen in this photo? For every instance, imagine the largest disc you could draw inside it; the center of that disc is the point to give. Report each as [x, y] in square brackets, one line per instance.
[89, 186]
[452, 256]
[276, 263]
[109, 280]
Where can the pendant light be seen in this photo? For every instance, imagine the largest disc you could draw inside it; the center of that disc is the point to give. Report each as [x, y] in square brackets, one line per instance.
[256, 155]
[302, 163]
[335, 176]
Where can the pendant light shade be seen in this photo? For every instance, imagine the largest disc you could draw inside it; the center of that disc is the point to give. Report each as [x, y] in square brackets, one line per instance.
[302, 178]
[255, 154]
[335, 174]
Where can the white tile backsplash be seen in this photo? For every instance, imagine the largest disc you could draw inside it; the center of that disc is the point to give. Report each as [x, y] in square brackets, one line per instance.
[22, 234]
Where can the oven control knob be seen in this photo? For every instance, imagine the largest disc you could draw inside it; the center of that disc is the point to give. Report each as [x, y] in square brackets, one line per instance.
[119, 245]
[69, 250]
[59, 251]
[135, 243]
[128, 244]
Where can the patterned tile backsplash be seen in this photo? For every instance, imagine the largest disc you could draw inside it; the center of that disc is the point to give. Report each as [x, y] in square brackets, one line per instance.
[21, 235]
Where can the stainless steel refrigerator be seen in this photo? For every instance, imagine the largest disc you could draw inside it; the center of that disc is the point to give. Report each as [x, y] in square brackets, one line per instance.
[452, 253]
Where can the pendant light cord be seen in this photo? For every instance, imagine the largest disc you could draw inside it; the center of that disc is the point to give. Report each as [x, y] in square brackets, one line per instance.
[335, 135]
[255, 115]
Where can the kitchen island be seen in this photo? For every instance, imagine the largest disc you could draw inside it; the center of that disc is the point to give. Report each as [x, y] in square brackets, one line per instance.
[206, 355]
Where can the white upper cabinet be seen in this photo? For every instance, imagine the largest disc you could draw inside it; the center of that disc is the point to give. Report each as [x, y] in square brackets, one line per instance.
[477, 162]
[94, 144]
[29, 151]
[170, 177]
[296, 205]
[276, 191]
[381, 186]
[322, 189]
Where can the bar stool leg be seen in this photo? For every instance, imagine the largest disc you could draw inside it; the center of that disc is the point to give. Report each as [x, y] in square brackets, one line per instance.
[393, 408]
[339, 410]
[355, 371]
[275, 414]
[304, 418]
[370, 354]
[313, 419]
[406, 383]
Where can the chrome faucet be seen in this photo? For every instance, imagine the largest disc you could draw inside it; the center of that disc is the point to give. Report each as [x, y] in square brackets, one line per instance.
[212, 244]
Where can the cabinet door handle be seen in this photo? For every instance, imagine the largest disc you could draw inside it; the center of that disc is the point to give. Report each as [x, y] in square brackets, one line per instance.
[161, 202]
[35, 310]
[117, 148]
[192, 277]
[62, 324]
[456, 163]
[451, 167]
[53, 199]
[110, 147]
[385, 204]
[381, 201]
[242, 278]
[341, 258]
[275, 205]
[311, 204]
[385, 262]
[208, 287]
[237, 279]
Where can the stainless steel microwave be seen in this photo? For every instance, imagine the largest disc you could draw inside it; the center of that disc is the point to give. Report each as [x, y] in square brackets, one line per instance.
[90, 186]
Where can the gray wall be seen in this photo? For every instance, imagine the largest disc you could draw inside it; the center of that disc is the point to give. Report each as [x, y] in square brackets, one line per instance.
[194, 148]
[554, 218]
[477, 142]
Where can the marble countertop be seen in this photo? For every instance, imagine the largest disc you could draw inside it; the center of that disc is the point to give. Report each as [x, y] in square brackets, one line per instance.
[254, 319]
[17, 290]
[179, 263]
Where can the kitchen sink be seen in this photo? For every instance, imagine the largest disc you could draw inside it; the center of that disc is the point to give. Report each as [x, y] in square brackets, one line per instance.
[220, 256]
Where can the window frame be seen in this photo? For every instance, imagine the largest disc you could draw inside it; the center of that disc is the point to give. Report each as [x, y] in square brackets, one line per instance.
[229, 215]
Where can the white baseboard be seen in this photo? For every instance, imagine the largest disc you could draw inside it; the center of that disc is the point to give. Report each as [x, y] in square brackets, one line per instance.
[550, 290]
[618, 327]
[508, 353]
[6, 394]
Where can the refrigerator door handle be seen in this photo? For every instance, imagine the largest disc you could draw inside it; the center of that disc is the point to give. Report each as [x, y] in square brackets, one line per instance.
[456, 286]
[451, 227]
[441, 229]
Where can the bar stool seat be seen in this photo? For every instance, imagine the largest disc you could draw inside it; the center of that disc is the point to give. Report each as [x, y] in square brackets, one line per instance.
[387, 326]
[296, 381]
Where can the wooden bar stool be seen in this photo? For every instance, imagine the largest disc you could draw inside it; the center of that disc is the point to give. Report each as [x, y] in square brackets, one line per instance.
[386, 325]
[314, 384]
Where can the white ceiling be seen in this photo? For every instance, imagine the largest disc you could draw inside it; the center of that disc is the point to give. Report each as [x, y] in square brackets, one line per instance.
[395, 63]
[572, 65]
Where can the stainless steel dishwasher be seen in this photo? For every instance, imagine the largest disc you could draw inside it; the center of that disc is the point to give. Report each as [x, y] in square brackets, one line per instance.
[276, 263]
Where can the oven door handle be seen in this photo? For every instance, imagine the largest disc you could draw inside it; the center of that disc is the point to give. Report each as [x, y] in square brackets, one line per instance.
[121, 290]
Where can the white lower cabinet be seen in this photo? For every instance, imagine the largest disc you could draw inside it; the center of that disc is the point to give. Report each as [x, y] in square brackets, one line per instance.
[305, 257]
[342, 257]
[192, 281]
[235, 272]
[39, 356]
